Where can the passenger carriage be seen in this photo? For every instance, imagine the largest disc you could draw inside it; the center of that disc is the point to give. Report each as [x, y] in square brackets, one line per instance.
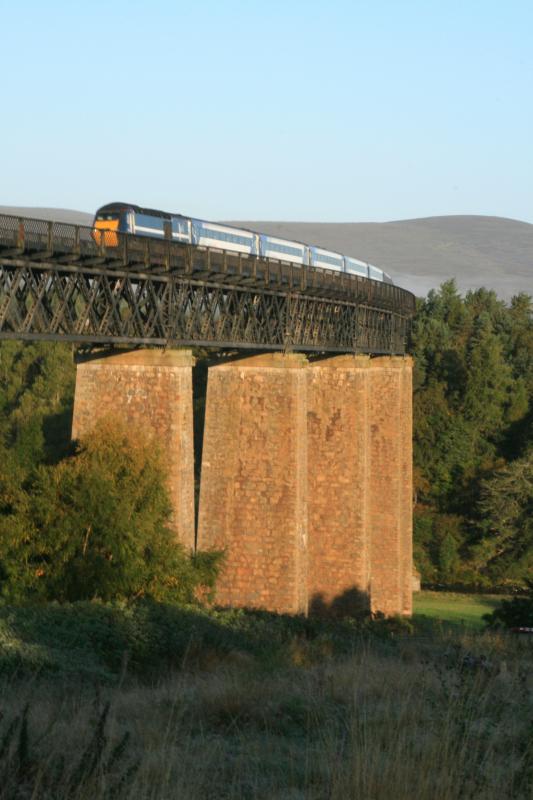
[125, 218]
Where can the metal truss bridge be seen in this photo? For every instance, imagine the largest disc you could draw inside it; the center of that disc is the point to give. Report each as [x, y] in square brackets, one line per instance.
[71, 283]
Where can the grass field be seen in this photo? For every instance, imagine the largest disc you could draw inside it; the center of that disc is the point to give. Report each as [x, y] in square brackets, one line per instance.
[152, 702]
[463, 609]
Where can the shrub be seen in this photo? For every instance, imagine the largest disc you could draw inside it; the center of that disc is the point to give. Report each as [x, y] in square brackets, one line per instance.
[514, 613]
[98, 525]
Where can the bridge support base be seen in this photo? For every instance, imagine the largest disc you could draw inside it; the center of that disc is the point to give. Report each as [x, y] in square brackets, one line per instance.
[253, 496]
[307, 483]
[306, 477]
[338, 450]
[390, 485]
[360, 484]
[151, 390]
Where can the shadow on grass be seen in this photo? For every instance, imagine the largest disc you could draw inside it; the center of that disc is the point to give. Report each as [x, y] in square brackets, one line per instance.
[101, 640]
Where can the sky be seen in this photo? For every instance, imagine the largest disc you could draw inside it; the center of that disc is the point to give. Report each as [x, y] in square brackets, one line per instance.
[369, 110]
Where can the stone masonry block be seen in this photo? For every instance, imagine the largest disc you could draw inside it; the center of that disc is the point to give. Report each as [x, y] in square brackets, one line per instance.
[338, 450]
[390, 485]
[253, 496]
[152, 391]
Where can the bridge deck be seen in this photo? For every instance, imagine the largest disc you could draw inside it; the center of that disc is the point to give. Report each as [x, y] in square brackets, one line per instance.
[61, 281]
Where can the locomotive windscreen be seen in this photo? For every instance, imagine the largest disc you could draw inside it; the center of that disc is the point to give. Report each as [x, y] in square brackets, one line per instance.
[105, 229]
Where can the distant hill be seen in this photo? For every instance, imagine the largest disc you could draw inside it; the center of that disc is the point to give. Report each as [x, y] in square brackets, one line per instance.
[419, 254]
[422, 253]
[57, 214]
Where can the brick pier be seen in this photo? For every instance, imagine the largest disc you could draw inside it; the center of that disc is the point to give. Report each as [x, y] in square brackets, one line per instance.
[360, 484]
[338, 444]
[307, 483]
[306, 479]
[390, 484]
[151, 390]
[253, 492]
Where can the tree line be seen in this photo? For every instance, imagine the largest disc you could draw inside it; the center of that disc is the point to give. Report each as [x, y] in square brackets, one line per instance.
[473, 438]
[92, 518]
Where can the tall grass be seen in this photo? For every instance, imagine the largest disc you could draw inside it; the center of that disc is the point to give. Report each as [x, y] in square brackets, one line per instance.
[427, 719]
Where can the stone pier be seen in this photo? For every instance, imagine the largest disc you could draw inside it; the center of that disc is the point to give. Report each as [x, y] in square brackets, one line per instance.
[151, 390]
[338, 487]
[360, 484]
[307, 483]
[406, 479]
[306, 478]
[390, 484]
[253, 495]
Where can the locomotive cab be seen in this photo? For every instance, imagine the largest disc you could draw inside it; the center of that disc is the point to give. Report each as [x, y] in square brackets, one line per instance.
[108, 222]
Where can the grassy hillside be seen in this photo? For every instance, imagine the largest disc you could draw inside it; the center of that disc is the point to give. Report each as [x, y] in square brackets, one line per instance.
[421, 253]
[57, 214]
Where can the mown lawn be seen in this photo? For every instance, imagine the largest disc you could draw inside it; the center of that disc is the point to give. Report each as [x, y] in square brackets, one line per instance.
[466, 609]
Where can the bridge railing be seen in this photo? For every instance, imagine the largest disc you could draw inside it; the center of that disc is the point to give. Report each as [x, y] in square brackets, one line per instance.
[48, 240]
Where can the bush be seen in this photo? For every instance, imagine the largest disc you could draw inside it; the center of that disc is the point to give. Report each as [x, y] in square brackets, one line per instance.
[514, 613]
[98, 525]
[96, 640]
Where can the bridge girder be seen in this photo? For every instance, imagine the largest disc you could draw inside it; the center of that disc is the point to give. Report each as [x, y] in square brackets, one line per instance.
[57, 283]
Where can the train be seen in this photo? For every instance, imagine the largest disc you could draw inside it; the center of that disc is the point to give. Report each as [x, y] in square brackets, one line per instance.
[128, 218]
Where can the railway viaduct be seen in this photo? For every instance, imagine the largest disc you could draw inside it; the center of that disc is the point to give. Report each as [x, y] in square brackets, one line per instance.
[306, 472]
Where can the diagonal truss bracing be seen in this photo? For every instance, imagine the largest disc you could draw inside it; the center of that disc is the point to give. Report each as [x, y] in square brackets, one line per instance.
[62, 285]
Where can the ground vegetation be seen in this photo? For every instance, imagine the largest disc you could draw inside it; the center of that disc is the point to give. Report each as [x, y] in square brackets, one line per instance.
[158, 701]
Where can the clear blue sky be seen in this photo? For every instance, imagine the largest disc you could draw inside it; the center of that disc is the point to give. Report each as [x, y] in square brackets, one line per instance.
[367, 110]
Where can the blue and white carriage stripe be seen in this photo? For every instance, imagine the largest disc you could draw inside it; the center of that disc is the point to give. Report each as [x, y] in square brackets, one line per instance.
[356, 267]
[210, 234]
[326, 259]
[225, 237]
[272, 247]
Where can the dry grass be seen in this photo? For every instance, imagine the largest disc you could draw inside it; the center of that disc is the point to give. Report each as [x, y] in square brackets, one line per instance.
[421, 722]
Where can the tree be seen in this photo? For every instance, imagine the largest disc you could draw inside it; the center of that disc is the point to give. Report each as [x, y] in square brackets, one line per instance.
[97, 525]
[489, 380]
[514, 613]
[448, 557]
[36, 392]
[473, 414]
[505, 549]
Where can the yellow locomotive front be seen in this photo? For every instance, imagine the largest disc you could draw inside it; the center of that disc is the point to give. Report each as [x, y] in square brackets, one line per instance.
[109, 222]
[105, 229]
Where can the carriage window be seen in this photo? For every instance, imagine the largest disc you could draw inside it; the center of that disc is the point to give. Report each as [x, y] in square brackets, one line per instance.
[283, 248]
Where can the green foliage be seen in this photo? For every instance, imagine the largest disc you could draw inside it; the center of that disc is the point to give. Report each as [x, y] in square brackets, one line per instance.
[437, 541]
[36, 391]
[514, 613]
[98, 525]
[506, 548]
[83, 522]
[473, 415]
[96, 640]
[448, 557]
